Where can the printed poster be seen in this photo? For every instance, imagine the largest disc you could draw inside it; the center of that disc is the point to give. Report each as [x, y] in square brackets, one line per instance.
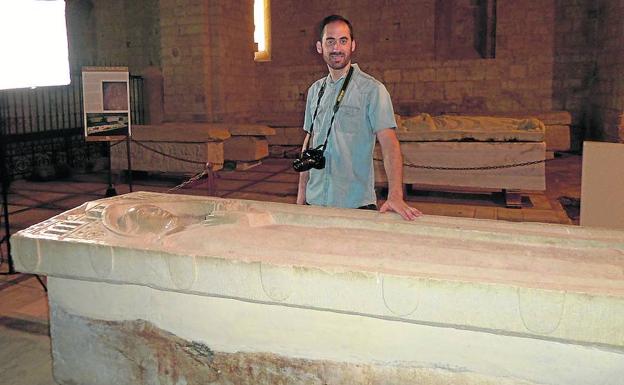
[106, 99]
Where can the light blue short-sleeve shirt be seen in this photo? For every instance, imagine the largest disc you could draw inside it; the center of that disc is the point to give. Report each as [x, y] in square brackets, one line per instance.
[348, 178]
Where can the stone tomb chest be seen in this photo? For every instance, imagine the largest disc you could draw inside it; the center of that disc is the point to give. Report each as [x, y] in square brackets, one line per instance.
[150, 288]
[461, 151]
[185, 148]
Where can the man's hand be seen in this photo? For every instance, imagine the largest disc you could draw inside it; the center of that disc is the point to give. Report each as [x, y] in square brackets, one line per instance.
[399, 206]
[393, 164]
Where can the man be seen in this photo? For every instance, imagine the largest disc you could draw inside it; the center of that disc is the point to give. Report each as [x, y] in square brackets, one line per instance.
[364, 114]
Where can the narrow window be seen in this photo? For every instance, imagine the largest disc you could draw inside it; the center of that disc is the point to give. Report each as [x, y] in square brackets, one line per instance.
[465, 29]
[262, 30]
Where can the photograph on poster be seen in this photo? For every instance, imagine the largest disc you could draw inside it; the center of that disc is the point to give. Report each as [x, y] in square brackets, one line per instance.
[107, 124]
[115, 96]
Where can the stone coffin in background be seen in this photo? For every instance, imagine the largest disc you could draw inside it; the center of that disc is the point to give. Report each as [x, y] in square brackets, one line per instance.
[248, 142]
[440, 146]
[185, 148]
[287, 136]
[150, 288]
[178, 148]
[557, 124]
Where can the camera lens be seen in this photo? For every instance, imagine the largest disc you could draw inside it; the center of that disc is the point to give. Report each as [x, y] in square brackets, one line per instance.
[312, 158]
[303, 164]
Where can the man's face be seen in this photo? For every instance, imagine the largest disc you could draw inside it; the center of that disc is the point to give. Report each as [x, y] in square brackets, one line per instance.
[336, 46]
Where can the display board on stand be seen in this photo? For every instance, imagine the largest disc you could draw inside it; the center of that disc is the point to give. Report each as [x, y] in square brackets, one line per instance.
[106, 98]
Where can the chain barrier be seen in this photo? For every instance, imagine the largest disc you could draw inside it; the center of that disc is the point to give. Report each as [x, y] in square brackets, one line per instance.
[208, 170]
[472, 168]
[171, 156]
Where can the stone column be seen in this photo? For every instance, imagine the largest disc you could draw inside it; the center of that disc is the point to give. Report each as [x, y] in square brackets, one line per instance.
[207, 59]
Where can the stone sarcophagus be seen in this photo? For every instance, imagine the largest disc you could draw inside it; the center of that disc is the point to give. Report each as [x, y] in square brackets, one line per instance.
[150, 288]
[471, 151]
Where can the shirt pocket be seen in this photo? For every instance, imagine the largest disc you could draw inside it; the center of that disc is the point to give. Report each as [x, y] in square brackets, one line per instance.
[350, 118]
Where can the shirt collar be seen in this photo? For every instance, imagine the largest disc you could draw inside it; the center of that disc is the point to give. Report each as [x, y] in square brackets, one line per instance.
[332, 82]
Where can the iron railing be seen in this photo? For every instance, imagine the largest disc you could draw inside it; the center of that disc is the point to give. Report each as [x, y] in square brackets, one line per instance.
[43, 128]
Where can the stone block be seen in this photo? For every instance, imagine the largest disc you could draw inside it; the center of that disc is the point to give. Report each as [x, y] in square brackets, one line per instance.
[180, 132]
[150, 288]
[471, 154]
[168, 156]
[246, 148]
[248, 129]
[287, 136]
[171, 148]
[557, 138]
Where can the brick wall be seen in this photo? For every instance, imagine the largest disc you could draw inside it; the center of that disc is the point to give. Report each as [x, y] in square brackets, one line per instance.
[607, 102]
[396, 44]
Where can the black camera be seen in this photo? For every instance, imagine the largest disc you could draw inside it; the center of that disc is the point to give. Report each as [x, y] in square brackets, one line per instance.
[311, 158]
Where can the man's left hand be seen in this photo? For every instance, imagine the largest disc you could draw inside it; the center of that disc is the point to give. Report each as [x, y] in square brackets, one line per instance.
[400, 207]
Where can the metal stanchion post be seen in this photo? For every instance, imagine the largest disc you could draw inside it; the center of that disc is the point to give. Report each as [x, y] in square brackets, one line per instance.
[129, 163]
[110, 191]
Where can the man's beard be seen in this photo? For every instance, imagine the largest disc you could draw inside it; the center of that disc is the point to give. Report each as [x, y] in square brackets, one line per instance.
[346, 58]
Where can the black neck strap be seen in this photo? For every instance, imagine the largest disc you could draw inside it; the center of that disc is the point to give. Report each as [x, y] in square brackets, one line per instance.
[336, 107]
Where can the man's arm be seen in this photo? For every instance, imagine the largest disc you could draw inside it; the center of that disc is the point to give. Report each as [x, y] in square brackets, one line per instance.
[393, 164]
[303, 178]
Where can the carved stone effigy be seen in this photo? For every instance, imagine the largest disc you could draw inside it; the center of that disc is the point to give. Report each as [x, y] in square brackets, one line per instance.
[149, 288]
[446, 128]
[478, 142]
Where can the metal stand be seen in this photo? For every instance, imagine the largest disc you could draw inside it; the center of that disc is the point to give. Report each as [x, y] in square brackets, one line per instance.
[129, 163]
[110, 191]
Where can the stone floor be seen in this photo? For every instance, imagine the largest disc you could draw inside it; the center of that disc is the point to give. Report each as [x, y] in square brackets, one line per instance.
[24, 339]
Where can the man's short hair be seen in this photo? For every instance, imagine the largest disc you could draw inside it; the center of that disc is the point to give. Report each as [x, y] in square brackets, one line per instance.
[331, 19]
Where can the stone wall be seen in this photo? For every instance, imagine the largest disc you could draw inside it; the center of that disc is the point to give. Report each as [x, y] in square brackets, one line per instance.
[607, 102]
[207, 60]
[184, 53]
[112, 34]
[232, 73]
[468, 57]
[397, 44]
[576, 23]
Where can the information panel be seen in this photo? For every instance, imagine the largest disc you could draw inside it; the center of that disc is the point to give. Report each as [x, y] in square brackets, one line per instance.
[106, 98]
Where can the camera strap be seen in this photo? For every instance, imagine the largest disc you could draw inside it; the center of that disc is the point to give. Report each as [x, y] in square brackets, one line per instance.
[318, 102]
[339, 98]
[337, 104]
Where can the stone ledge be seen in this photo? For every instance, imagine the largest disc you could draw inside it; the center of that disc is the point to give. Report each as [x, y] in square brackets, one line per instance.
[180, 132]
